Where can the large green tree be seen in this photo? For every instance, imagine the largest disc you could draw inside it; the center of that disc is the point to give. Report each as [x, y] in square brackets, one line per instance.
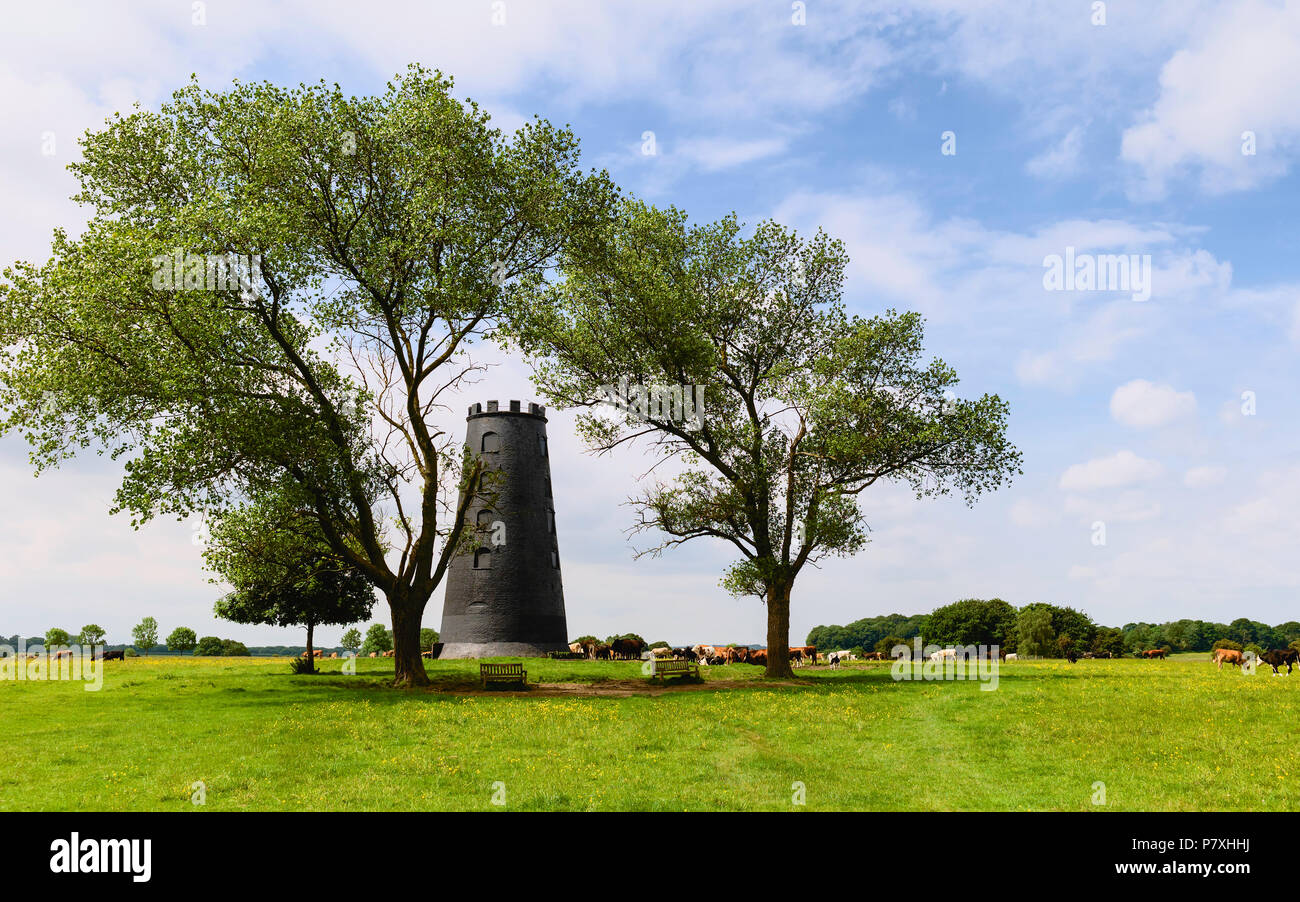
[283, 572]
[368, 242]
[805, 406]
[972, 621]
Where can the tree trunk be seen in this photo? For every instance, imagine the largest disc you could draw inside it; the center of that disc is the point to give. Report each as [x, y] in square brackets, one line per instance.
[406, 644]
[778, 632]
[311, 655]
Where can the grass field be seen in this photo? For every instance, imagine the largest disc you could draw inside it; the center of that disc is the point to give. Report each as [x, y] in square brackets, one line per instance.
[1161, 735]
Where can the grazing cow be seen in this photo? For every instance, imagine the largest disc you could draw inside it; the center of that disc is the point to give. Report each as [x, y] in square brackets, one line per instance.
[943, 653]
[834, 659]
[718, 659]
[603, 652]
[115, 656]
[627, 648]
[757, 657]
[374, 654]
[1154, 653]
[576, 648]
[661, 652]
[685, 654]
[334, 654]
[1013, 657]
[744, 655]
[1228, 656]
[1072, 656]
[1276, 657]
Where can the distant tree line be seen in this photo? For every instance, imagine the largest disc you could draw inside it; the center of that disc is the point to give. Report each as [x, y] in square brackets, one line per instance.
[1046, 630]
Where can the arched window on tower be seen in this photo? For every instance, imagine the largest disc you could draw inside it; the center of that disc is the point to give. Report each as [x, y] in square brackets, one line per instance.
[485, 518]
[491, 443]
[482, 559]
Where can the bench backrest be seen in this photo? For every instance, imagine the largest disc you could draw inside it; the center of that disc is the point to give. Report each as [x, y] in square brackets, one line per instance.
[667, 666]
[500, 669]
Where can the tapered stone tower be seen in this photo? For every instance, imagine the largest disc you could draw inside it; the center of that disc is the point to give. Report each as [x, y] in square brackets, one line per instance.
[505, 597]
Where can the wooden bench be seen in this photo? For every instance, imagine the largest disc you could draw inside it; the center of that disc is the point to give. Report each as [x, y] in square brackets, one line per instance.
[663, 669]
[502, 673]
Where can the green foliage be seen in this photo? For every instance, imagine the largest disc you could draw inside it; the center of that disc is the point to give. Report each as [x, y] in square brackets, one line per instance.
[378, 639]
[1108, 640]
[868, 632]
[56, 637]
[1034, 634]
[92, 634]
[428, 638]
[232, 649]
[145, 634]
[972, 621]
[130, 652]
[301, 666]
[181, 639]
[582, 639]
[208, 646]
[352, 639]
[1227, 643]
[887, 644]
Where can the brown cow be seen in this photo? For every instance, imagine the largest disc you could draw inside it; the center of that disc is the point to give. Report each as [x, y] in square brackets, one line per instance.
[1154, 653]
[1228, 656]
[758, 657]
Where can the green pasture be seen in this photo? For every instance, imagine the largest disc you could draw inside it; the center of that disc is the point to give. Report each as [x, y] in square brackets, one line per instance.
[1160, 735]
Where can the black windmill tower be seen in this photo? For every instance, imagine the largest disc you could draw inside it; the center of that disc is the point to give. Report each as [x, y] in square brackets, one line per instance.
[505, 597]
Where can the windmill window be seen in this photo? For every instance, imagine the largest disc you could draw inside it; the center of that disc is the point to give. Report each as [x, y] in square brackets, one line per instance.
[482, 559]
[555, 559]
[491, 443]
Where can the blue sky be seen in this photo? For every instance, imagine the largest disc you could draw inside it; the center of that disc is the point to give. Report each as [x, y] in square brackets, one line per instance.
[1115, 138]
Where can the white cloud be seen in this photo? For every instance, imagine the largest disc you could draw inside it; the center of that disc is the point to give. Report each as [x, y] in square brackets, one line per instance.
[1239, 77]
[1202, 477]
[713, 154]
[1145, 405]
[1059, 161]
[1120, 469]
[1126, 507]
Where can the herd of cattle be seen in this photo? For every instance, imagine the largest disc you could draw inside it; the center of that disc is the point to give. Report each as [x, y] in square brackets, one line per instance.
[633, 649]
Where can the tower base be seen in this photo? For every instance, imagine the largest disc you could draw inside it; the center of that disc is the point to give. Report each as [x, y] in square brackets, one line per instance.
[499, 649]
